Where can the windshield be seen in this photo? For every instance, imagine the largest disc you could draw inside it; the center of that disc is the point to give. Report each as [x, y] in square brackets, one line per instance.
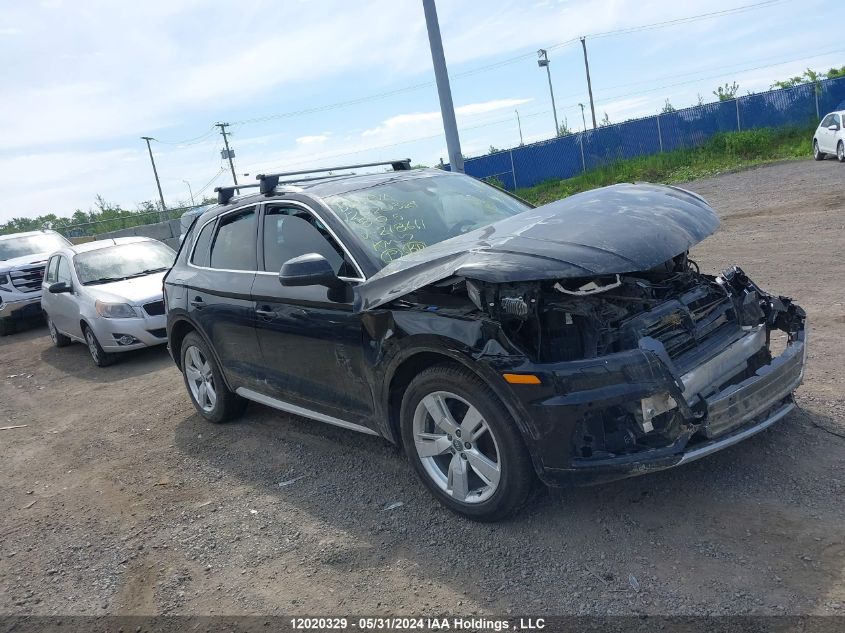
[399, 217]
[31, 245]
[123, 261]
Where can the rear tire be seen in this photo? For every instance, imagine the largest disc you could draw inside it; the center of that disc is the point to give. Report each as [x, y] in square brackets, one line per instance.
[208, 391]
[817, 155]
[474, 460]
[59, 339]
[100, 357]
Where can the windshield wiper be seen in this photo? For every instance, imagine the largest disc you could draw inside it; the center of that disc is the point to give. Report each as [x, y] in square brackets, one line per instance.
[148, 271]
[103, 280]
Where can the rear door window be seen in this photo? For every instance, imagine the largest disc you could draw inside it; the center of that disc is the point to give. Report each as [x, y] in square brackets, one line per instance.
[233, 247]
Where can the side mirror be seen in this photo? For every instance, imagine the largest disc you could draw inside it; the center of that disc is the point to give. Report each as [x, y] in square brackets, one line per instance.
[310, 269]
[833, 128]
[59, 287]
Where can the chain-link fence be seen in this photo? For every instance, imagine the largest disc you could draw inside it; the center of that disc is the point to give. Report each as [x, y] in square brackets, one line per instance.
[567, 156]
[119, 223]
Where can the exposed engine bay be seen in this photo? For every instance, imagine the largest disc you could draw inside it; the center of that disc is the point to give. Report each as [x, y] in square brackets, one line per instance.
[710, 332]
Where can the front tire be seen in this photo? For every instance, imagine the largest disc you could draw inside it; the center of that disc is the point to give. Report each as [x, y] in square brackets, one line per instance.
[59, 339]
[463, 444]
[204, 382]
[817, 155]
[840, 152]
[7, 327]
[100, 357]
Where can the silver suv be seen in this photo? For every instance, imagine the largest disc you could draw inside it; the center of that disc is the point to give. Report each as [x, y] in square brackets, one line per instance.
[22, 260]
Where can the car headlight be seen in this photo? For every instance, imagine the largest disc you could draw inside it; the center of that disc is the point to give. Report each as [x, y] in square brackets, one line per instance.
[114, 310]
[4, 280]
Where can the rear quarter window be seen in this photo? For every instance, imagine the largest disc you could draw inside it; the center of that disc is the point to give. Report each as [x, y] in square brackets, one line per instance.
[200, 256]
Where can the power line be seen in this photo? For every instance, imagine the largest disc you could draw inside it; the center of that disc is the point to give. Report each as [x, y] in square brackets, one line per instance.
[213, 178]
[717, 76]
[191, 141]
[692, 18]
[501, 63]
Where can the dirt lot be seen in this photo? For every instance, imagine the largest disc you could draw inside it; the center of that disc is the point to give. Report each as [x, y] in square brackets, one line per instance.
[117, 499]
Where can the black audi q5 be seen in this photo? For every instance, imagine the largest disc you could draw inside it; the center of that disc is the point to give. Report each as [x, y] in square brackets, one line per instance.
[498, 344]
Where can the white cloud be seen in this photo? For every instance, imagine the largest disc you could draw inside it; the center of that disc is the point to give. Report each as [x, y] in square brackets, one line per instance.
[88, 79]
[314, 139]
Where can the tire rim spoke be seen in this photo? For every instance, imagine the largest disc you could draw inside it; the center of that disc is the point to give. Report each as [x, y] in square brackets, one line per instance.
[483, 467]
[436, 405]
[431, 444]
[211, 395]
[472, 426]
[458, 483]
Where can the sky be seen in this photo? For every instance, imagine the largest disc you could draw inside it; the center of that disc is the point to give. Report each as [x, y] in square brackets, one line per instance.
[318, 83]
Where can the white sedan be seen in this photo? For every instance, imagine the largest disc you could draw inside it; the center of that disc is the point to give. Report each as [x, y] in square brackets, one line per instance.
[108, 295]
[829, 138]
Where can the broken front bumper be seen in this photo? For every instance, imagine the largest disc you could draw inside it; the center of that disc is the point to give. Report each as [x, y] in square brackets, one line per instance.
[726, 416]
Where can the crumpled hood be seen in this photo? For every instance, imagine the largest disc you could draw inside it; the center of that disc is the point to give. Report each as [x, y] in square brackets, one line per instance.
[136, 291]
[23, 262]
[618, 229]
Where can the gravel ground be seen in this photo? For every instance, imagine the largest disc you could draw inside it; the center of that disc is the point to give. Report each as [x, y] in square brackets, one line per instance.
[117, 499]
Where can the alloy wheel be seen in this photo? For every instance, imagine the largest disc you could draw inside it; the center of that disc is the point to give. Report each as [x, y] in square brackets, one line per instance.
[457, 447]
[200, 379]
[815, 149]
[54, 335]
[92, 345]
[840, 152]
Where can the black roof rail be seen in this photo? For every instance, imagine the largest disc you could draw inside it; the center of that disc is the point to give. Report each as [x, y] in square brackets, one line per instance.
[224, 194]
[269, 182]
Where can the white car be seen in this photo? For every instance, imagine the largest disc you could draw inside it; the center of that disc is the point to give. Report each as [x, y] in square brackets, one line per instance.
[108, 295]
[22, 259]
[829, 138]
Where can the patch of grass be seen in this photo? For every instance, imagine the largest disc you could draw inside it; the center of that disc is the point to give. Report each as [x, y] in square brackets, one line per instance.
[722, 152]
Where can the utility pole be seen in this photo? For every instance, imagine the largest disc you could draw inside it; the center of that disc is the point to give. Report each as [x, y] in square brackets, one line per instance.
[583, 120]
[155, 173]
[519, 123]
[544, 62]
[228, 153]
[589, 85]
[441, 75]
[190, 191]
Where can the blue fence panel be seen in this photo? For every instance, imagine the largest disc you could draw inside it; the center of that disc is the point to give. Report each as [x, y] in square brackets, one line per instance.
[556, 158]
[496, 165]
[566, 156]
[778, 108]
[831, 95]
[691, 127]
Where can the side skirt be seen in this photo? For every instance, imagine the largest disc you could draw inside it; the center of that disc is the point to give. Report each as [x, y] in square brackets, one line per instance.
[249, 394]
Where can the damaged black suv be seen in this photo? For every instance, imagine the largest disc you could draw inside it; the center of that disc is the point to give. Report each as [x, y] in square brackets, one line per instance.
[496, 343]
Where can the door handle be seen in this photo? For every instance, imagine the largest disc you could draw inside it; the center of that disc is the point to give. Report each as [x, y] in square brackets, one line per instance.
[197, 302]
[266, 313]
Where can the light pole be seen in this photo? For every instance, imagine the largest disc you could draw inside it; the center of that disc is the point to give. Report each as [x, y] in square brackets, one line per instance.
[444, 91]
[193, 204]
[583, 118]
[543, 62]
[589, 83]
[519, 123]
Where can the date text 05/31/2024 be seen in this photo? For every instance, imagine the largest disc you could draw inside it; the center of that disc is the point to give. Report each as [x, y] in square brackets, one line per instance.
[416, 624]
